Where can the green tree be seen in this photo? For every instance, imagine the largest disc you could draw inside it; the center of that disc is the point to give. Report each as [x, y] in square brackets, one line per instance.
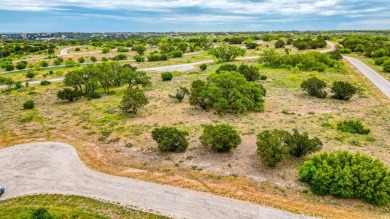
[271, 146]
[134, 78]
[343, 90]
[315, 87]
[227, 53]
[231, 92]
[170, 139]
[140, 49]
[132, 100]
[221, 138]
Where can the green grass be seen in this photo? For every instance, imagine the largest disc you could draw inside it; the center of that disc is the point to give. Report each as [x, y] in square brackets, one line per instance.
[68, 206]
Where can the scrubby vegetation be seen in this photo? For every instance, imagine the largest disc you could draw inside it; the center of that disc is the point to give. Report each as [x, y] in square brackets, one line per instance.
[343, 90]
[353, 126]
[170, 139]
[273, 146]
[228, 92]
[315, 87]
[221, 138]
[346, 175]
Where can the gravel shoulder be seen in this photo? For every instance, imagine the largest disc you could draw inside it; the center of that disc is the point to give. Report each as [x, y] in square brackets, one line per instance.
[55, 168]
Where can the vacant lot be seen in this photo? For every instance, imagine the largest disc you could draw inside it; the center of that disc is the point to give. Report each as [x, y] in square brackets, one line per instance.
[121, 144]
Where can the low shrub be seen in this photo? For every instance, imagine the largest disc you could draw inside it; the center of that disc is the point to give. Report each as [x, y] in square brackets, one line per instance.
[166, 76]
[29, 104]
[203, 67]
[353, 126]
[45, 83]
[69, 94]
[139, 58]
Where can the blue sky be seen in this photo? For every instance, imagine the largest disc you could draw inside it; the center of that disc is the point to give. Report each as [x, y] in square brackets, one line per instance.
[191, 15]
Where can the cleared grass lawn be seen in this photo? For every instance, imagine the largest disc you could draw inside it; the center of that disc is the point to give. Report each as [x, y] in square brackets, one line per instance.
[69, 206]
[121, 144]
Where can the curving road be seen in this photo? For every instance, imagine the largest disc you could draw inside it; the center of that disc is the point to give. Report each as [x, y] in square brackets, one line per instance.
[51, 167]
[380, 82]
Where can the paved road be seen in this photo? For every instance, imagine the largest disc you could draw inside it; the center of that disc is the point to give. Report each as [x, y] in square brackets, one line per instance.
[64, 51]
[380, 82]
[332, 47]
[55, 168]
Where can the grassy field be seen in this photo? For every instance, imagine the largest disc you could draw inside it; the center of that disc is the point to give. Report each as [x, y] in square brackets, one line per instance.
[68, 206]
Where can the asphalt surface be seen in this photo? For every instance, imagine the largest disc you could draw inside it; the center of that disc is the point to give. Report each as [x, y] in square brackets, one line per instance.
[55, 168]
[380, 82]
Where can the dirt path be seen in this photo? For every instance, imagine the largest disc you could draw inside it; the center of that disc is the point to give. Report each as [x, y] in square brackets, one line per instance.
[51, 167]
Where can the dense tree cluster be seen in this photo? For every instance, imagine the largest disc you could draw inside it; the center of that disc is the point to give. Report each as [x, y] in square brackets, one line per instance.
[312, 61]
[227, 53]
[309, 43]
[228, 92]
[346, 175]
[274, 145]
[107, 75]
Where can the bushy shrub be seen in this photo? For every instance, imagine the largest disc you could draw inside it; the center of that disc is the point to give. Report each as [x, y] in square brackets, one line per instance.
[353, 126]
[41, 213]
[250, 72]
[69, 94]
[81, 60]
[203, 67]
[123, 49]
[93, 59]
[280, 44]
[77, 49]
[251, 45]
[120, 57]
[300, 144]
[386, 66]
[343, 90]
[30, 74]
[157, 57]
[346, 175]
[345, 51]
[132, 100]
[274, 145]
[166, 76]
[227, 67]
[315, 87]
[139, 58]
[271, 147]
[29, 104]
[263, 77]
[45, 83]
[221, 138]
[170, 139]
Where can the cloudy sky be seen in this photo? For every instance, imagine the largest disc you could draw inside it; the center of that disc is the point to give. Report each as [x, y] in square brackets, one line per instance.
[191, 15]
